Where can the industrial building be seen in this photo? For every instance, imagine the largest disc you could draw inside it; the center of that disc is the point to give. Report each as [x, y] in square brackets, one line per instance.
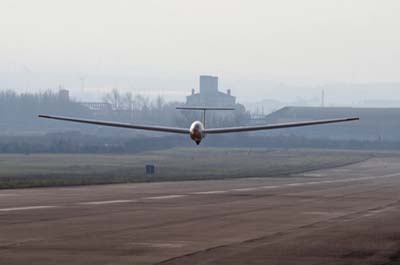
[376, 124]
[209, 94]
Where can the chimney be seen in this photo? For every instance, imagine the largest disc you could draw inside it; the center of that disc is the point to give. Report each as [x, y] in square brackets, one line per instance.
[193, 91]
[229, 92]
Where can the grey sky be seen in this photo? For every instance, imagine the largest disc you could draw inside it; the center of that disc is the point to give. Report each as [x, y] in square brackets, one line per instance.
[164, 45]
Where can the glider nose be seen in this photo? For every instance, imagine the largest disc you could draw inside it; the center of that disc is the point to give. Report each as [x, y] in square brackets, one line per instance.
[196, 132]
[196, 136]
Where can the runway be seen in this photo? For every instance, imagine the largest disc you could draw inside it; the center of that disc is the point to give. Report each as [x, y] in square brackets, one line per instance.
[347, 215]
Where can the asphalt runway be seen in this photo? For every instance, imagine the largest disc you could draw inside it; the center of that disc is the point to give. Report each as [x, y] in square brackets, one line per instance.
[347, 215]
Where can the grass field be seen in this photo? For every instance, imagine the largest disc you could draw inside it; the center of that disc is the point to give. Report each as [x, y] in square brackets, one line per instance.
[39, 170]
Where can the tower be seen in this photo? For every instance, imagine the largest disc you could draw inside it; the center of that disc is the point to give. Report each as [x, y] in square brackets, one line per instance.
[63, 94]
[208, 84]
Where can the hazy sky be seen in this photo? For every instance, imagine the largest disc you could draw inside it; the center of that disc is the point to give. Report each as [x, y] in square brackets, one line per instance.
[162, 46]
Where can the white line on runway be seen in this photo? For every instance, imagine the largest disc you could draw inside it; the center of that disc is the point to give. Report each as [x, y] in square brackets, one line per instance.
[173, 196]
[295, 184]
[269, 187]
[210, 192]
[105, 202]
[8, 194]
[26, 208]
[246, 189]
[165, 197]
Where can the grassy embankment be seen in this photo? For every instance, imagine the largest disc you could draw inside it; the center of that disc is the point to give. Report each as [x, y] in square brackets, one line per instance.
[42, 170]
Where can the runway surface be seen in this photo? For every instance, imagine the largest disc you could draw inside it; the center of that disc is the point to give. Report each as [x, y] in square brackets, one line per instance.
[347, 215]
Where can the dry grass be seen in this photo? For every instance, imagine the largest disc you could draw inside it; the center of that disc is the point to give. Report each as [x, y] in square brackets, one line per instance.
[37, 170]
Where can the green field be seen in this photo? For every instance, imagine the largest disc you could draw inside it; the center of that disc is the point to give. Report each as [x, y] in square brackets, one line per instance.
[39, 170]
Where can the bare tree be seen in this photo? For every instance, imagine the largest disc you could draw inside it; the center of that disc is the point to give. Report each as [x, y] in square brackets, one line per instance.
[141, 102]
[129, 104]
[114, 98]
[160, 102]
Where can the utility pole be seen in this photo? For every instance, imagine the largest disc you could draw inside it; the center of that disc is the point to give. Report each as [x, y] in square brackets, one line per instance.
[83, 79]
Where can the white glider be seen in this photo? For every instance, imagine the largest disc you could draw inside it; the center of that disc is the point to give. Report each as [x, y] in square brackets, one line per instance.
[197, 130]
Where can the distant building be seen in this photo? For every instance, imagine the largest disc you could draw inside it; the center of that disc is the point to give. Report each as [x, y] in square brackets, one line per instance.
[63, 94]
[376, 124]
[98, 108]
[209, 94]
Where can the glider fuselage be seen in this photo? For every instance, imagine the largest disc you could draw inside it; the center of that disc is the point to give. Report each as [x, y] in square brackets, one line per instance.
[197, 131]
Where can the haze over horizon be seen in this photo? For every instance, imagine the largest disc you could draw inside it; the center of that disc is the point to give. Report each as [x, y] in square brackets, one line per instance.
[260, 49]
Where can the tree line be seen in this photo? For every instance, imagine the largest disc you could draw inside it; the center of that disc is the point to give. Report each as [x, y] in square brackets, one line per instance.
[139, 108]
[18, 113]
